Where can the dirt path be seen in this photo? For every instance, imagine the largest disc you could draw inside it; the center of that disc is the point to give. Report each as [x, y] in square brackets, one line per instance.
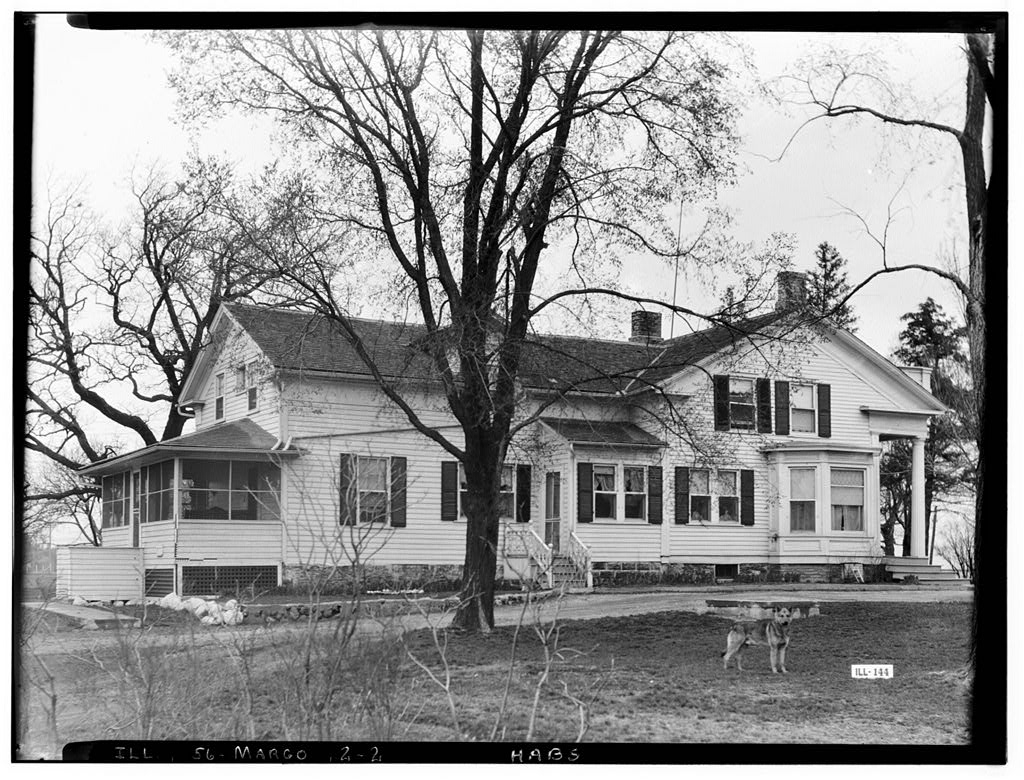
[570, 607]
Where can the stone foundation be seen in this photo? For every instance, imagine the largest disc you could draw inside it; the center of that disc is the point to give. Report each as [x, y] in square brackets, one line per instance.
[652, 573]
[806, 572]
[397, 577]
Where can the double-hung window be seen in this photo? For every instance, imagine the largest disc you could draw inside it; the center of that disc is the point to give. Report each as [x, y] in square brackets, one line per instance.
[741, 403]
[605, 493]
[634, 485]
[250, 385]
[218, 403]
[506, 492]
[700, 495]
[372, 482]
[802, 499]
[802, 414]
[728, 497]
[847, 499]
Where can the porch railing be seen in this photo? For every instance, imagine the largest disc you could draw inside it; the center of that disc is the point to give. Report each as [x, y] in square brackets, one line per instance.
[523, 542]
[579, 554]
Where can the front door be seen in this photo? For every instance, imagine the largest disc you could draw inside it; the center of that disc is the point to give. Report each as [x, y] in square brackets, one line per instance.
[553, 509]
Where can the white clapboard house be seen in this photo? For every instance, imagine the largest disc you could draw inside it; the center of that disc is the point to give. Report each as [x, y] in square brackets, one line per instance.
[748, 448]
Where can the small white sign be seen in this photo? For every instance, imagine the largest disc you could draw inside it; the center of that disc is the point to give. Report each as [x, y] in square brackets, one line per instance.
[871, 671]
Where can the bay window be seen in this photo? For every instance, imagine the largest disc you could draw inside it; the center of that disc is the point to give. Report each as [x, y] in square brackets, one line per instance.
[802, 499]
[847, 499]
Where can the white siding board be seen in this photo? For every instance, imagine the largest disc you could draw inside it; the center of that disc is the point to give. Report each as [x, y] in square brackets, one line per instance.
[117, 537]
[228, 543]
[157, 542]
[100, 573]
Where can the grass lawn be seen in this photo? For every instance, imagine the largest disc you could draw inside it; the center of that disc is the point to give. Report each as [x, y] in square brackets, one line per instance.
[648, 678]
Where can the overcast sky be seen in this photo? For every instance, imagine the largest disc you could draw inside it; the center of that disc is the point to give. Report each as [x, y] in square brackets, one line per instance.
[103, 103]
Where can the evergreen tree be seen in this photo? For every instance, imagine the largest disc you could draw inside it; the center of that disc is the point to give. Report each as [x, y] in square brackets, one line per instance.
[828, 286]
[937, 341]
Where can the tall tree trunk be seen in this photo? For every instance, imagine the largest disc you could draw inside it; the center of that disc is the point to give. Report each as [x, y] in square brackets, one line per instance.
[480, 505]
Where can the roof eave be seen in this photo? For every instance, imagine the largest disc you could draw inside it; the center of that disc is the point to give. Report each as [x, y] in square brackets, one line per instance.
[120, 462]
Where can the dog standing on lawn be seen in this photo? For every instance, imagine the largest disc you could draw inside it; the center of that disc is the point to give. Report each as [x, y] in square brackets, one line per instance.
[773, 632]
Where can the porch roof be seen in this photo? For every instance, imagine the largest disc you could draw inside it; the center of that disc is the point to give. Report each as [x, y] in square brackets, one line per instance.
[602, 432]
[238, 437]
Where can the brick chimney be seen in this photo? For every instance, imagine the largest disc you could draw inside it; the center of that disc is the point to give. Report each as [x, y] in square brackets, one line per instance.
[646, 327]
[792, 290]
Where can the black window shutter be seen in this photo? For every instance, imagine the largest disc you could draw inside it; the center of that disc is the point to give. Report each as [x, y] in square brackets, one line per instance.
[398, 469]
[584, 492]
[825, 411]
[746, 497]
[449, 490]
[347, 490]
[523, 494]
[782, 408]
[721, 382]
[654, 492]
[764, 406]
[682, 495]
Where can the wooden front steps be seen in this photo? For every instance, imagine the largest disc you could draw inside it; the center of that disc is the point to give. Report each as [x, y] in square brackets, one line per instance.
[564, 574]
[926, 573]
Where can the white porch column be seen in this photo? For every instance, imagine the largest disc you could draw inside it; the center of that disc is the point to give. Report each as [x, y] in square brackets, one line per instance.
[917, 519]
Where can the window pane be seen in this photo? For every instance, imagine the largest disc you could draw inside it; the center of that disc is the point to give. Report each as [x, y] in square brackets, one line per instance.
[848, 477]
[604, 506]
[700, 509]
[635, 506]
[373, 474]
[205, 474]
[741, 391]
[252, 398]
[741, 416]
[604, 478]
[801, 396]
[267, 507]
[727, 483]
[801, 484]
[462, 477]
[851, 496]
[506, 479]
[847, 518]
[166, 505]
[505, 505]
[220, 384]
[699, 481]
[373, 507]
[801, 516]
[167, 475]
[218, 410]
[802, 421]
[633, 477]
[243, 505]
[728, 509]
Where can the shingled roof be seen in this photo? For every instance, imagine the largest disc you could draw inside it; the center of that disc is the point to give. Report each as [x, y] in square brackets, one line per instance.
[602, 432]
[298, 340]
[239, 437]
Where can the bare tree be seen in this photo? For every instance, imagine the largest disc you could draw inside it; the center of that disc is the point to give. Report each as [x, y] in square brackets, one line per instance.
[464, 155]
[118, 318]
[844, 86]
